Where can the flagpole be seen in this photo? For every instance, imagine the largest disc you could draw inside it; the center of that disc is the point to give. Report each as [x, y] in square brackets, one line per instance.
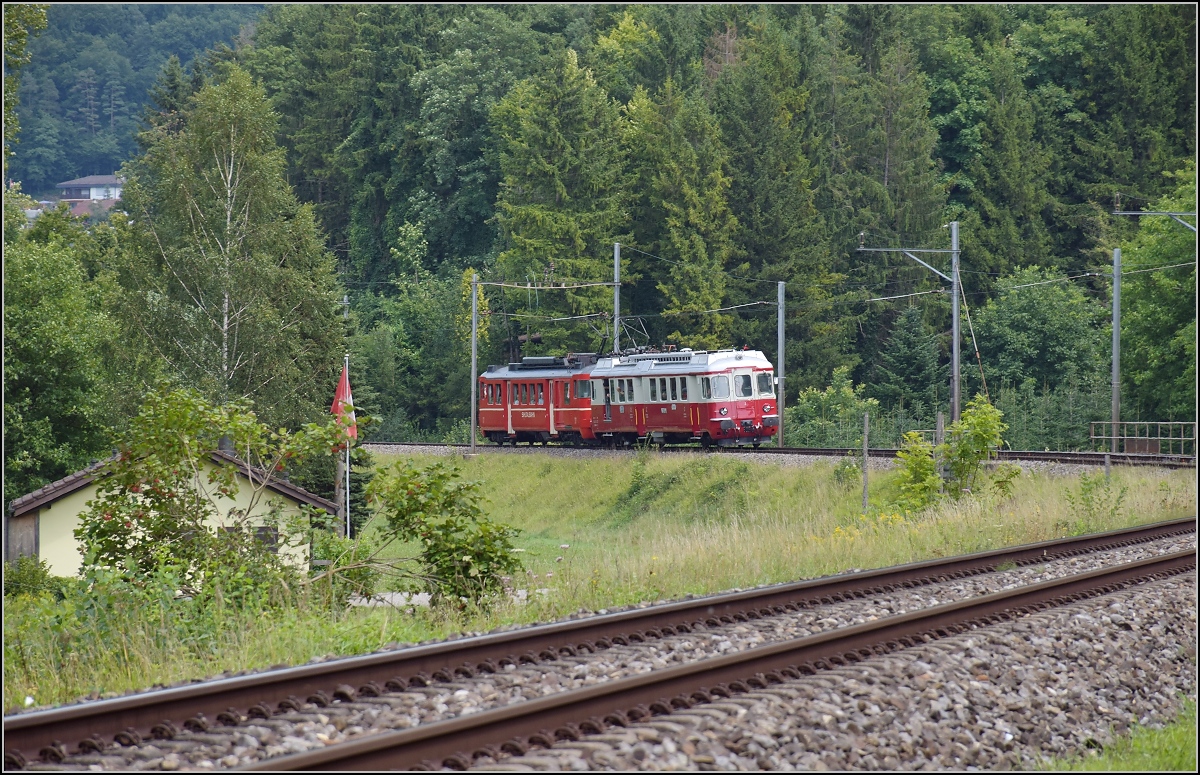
[347, 367]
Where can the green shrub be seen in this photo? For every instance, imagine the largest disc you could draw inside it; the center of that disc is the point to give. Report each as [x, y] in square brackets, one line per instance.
[847, 471]
[464, 554]
[918, 479]
[29, 576]
[970, 442]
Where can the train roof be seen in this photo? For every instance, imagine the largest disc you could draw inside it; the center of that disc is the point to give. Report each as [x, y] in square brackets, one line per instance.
[542, 367]
[674, 362]
[680, 362]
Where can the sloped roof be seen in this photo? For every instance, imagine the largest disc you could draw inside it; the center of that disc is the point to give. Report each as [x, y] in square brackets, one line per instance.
[81, 479]
[93, 180]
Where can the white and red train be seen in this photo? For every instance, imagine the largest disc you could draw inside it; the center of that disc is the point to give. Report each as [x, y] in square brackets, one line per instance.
[724, 397]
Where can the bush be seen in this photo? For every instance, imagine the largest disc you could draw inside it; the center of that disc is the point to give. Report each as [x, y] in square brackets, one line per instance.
[31, 576]
[464, 554]
[918, 478]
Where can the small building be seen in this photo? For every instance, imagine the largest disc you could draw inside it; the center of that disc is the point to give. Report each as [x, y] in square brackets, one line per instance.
[42, 524]
[93, 187]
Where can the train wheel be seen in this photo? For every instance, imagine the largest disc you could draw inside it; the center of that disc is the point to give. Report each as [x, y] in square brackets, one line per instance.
[757, 445]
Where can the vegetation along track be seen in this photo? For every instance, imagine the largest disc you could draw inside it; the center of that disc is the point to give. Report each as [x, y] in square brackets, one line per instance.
[88, 727]
[1075, 458]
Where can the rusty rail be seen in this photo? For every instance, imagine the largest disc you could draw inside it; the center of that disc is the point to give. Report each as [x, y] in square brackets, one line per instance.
[30, 735]
[455, 742]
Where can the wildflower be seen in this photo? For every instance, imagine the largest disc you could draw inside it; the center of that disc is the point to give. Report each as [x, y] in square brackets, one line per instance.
[549, 574]
[28, 701]
[558, 559]
[564, 546]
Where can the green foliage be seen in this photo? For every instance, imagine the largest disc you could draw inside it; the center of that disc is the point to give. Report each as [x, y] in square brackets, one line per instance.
[352, 571]
[847, 471]
[1097, 501]
[829, 417]
[561, 204]
[970, 442]
[464, 554]
[908, 370]
[1158, 336]
[1002, 479]
[20, 21]
[90, 74]
[918, 478]
[224, 274]
[57, 382]
[30, 576]
[1047, 334]
[163, 503]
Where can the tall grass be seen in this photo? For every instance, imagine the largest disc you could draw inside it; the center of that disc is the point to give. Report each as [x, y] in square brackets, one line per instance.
[596, 533]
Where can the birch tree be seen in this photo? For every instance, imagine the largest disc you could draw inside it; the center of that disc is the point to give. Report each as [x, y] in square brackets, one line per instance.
[225, 272]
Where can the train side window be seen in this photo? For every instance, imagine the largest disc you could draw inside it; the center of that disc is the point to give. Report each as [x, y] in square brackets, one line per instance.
[487, 395]
[764, 384]
[741, 383]
[620, 391]
[566, 386]
[524, 393]
[705, 388]
[674, 392]
[720, 386]
[541, 394]
[653, 389]
[629, 387]
[683, 388]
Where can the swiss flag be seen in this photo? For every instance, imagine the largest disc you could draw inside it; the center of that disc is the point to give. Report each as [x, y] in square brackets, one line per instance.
[342, 400]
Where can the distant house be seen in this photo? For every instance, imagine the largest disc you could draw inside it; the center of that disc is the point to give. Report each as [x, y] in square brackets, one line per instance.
[42, 524]
[95, 192]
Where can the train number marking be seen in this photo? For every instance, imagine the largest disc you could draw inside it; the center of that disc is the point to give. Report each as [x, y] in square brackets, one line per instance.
[529, 414]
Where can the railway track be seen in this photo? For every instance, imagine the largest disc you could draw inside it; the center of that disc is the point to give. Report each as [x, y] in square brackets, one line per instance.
[1074, 458]
[455, 743]
[52, 735]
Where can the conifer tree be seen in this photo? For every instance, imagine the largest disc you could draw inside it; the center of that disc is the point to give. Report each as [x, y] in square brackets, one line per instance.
[908, 375]
[562, 201]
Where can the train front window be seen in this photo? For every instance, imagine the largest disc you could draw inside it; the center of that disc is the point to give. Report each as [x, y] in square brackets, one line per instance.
[741, 383]
[720, 387]
[583, 388]
[765, 387]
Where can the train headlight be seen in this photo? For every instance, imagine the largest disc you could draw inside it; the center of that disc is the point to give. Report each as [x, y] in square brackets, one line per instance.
[724, 411]
[767, 407]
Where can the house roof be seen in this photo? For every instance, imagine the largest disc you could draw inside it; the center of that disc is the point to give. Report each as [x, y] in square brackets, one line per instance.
[81, 479]
[93, 180]
[83, 207]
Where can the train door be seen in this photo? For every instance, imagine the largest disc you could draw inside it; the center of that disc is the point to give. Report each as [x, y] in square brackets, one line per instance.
[743, 398]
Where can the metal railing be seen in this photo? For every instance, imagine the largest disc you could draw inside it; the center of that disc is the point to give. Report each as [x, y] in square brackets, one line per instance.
[1146, 438]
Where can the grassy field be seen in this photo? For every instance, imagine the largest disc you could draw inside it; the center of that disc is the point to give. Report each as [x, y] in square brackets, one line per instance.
[1171, 748]
[596, 533]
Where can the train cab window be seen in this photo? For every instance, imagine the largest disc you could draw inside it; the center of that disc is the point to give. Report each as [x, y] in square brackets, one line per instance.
[620, 391]
[583, 388]
[487, 395]
[566, 386]
[705, 387]
[683, 388]
[741, 383]
[674, 392]
[541, 394]
[764, 384]
[653, 389]
[720, 387]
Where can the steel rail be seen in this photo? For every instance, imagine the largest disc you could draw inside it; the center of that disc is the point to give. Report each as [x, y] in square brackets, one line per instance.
[1074, 458]
[156, 713]
[455, 742]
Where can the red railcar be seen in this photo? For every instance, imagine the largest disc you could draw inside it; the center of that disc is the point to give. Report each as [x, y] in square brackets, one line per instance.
[726, 397]
[539, 399]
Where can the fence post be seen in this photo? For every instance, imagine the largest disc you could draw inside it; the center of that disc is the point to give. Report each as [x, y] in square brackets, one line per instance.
[866, 428]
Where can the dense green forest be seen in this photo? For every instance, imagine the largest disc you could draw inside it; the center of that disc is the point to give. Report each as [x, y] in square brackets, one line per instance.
[400, 148]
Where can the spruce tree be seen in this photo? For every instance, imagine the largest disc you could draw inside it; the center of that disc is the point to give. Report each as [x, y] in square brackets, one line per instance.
[908, 375]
